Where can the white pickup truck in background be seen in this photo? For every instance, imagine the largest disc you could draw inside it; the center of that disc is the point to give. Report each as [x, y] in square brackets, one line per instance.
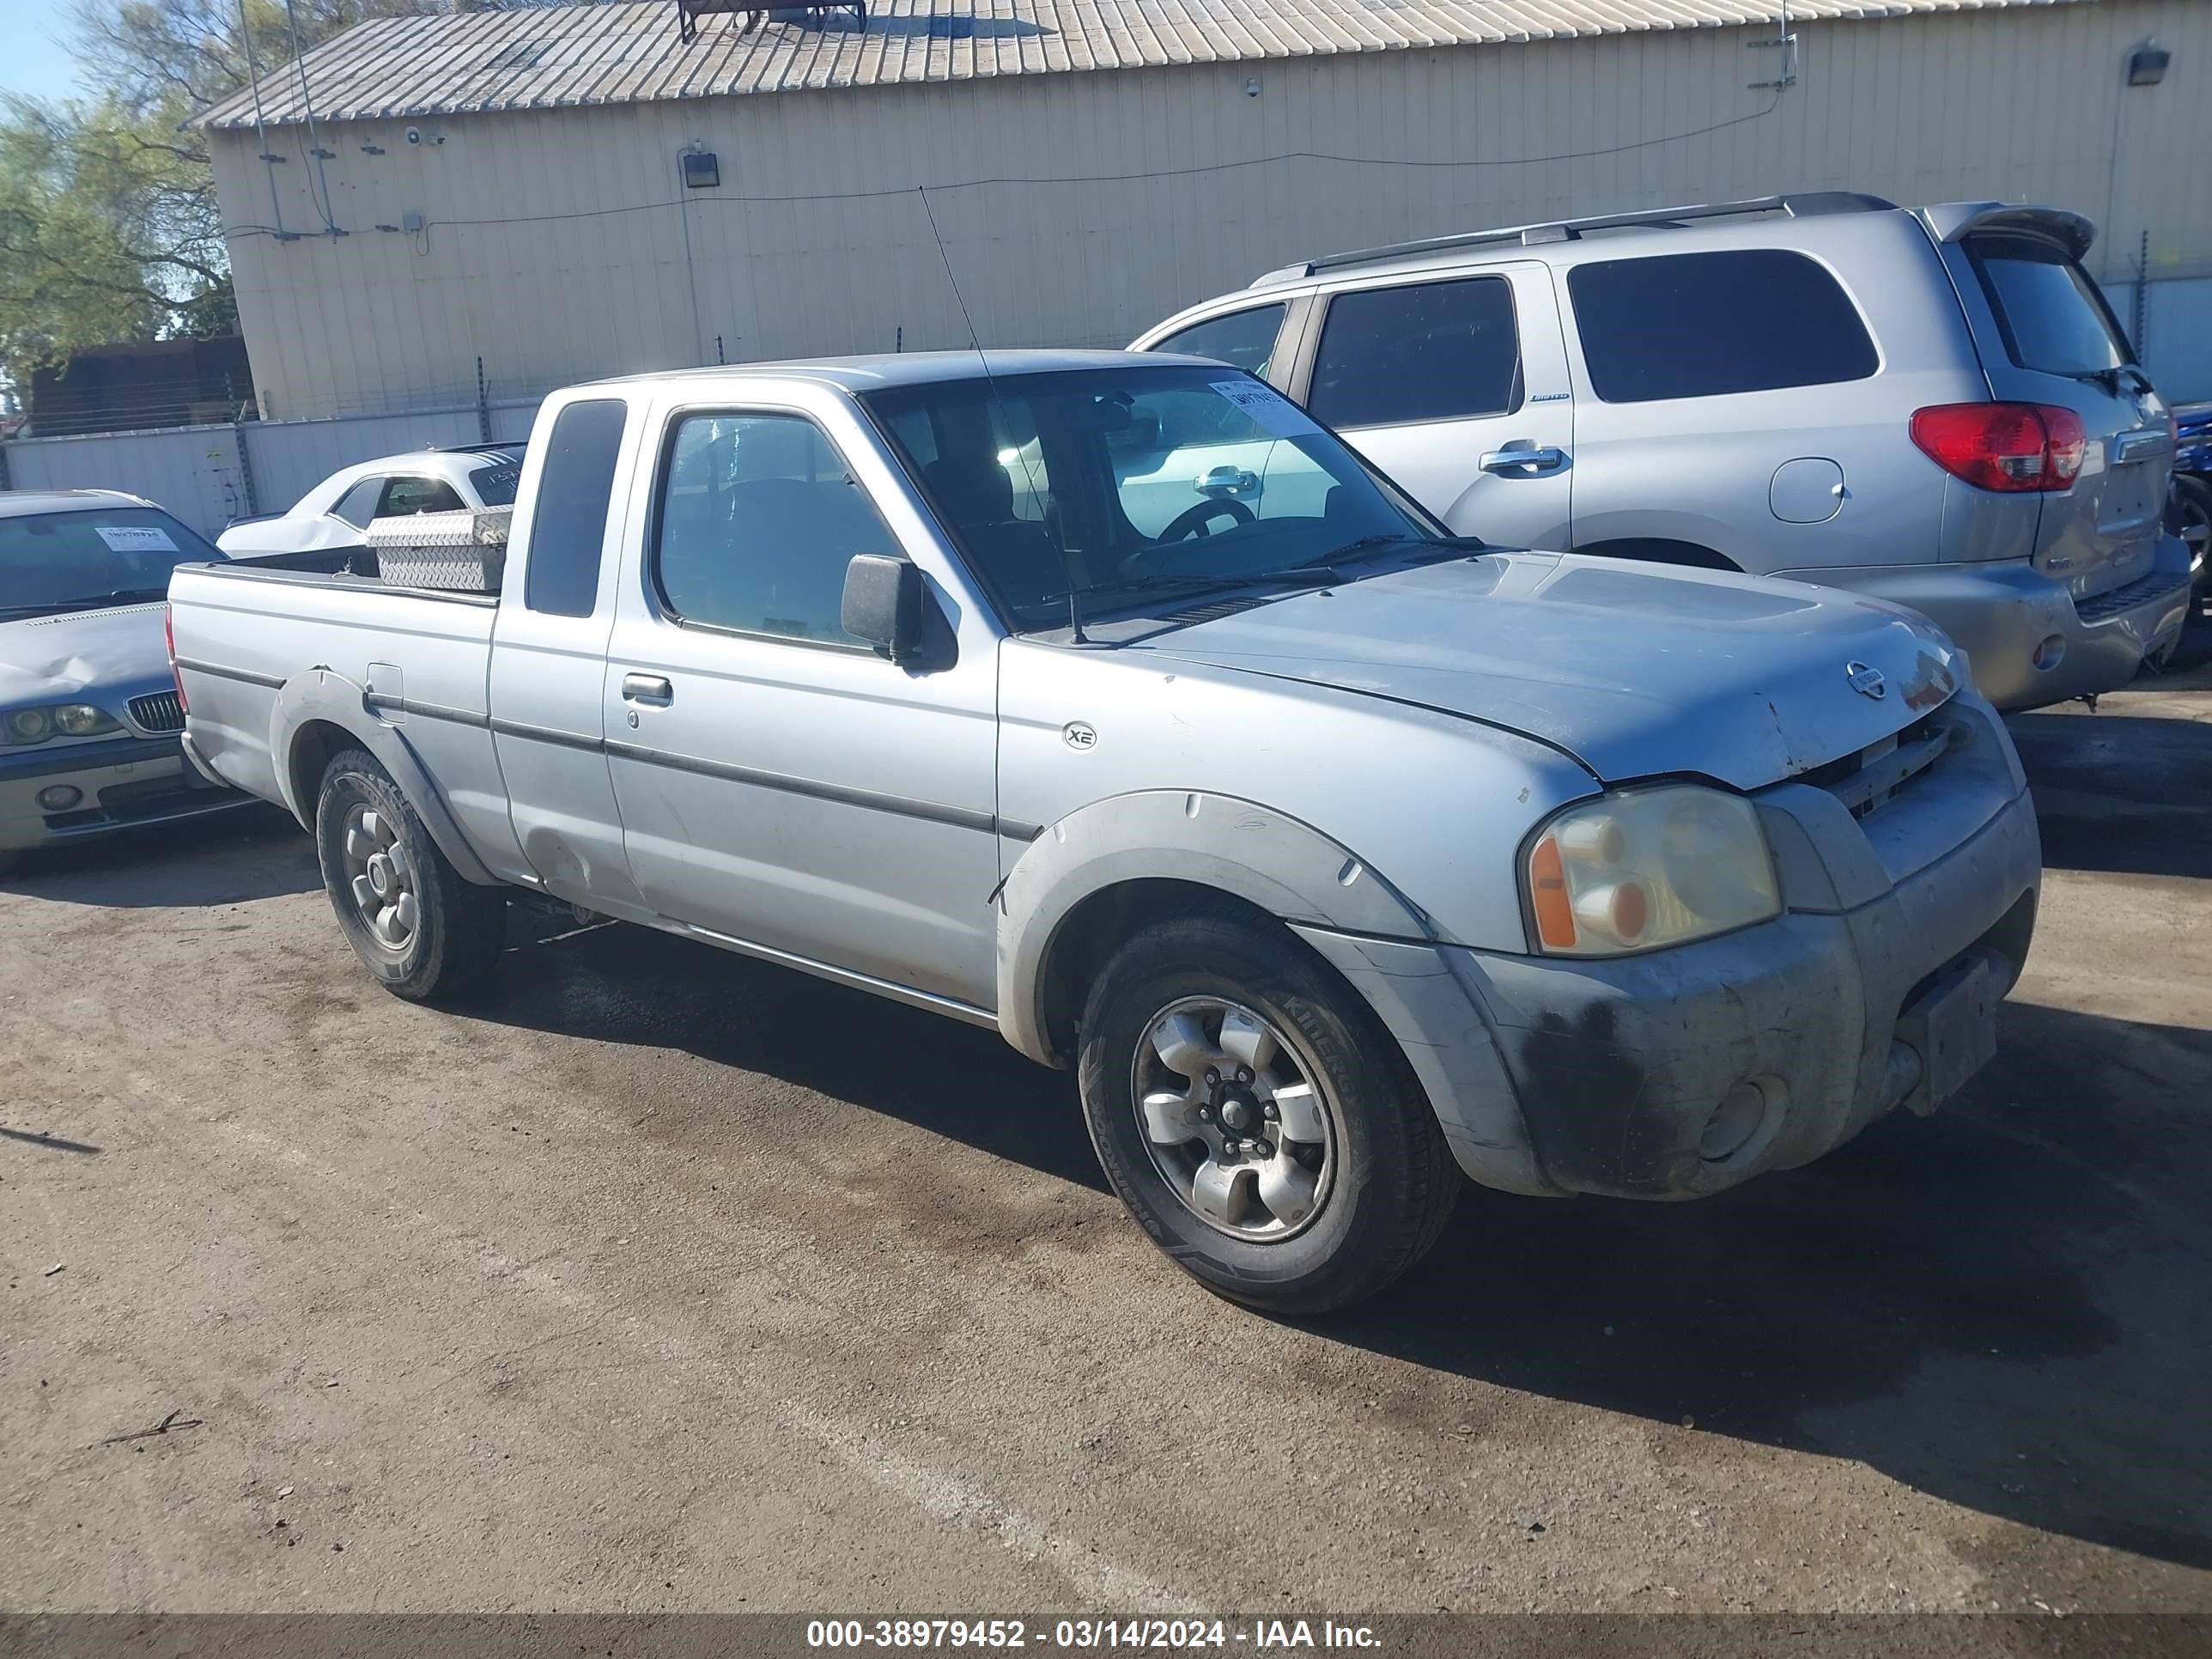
[1339, 856]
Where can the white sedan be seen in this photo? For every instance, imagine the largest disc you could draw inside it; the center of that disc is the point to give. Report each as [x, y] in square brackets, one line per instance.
[337, 511]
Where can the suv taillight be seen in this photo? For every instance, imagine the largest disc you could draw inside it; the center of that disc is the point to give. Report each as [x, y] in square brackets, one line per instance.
[2007, 447]
[169, 640]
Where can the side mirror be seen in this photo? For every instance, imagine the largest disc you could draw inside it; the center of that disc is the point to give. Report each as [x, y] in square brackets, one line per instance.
[885, 602]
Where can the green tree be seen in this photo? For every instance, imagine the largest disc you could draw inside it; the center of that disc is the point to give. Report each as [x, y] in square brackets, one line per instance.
[75, 268]
[109, 227]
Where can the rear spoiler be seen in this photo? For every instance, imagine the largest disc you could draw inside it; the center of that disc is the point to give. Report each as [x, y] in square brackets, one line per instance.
[1953, 222]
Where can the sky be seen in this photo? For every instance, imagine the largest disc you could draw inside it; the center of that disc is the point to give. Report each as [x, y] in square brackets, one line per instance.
[31, 61]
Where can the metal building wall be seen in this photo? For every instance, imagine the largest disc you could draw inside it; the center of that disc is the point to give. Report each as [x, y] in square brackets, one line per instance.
[559, 245]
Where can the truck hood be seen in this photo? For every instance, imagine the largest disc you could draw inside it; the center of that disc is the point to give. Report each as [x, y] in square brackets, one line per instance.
[50, 659]
[1636, 671]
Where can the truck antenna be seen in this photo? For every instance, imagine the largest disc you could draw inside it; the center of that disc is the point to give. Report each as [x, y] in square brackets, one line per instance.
[975, 344]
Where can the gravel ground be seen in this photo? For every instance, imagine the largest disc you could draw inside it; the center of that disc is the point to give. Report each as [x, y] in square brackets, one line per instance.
[656, 1278]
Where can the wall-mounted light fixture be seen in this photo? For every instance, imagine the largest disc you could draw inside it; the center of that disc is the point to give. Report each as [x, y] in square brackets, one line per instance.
[2146, 64]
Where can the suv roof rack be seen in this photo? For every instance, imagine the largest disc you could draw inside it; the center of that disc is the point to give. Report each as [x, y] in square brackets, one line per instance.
[1803, 205]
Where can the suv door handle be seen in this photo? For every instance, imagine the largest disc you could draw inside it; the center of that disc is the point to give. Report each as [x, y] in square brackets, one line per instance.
[1231, 480]
[1523, 462]
[647, 688]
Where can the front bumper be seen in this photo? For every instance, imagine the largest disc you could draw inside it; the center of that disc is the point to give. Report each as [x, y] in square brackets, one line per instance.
[122, 782]
[1563, 1075]
[2002, 610]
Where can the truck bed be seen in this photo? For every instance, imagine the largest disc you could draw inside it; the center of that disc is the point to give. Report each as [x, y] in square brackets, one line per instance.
[251, 632]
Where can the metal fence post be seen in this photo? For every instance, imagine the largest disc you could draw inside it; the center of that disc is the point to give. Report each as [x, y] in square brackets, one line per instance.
[5, 482]
[244, 467]
[2142, 299]
[483, 404]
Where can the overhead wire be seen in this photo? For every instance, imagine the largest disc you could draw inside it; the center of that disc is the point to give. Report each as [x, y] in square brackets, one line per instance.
[1195, 170]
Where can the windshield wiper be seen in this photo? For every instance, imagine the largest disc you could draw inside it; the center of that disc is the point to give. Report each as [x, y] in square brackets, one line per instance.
[1369, 544]
[2109, 379]
[114, 596]
[1300, 575]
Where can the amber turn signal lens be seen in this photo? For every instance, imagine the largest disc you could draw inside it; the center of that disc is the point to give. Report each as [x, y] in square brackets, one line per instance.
[1547, 889]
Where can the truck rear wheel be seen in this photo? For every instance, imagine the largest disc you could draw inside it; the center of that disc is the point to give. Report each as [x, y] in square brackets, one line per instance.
[1259, 1121]
[412, 919]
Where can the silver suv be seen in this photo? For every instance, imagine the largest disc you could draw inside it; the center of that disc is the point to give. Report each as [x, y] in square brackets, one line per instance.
[1935, 407]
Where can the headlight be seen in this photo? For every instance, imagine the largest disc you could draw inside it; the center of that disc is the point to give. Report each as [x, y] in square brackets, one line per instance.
[71, 719]
[81, 720]
[1647, 867]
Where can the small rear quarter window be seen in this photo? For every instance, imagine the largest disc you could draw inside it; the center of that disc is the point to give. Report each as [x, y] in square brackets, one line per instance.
[569, 525]
[1706, 325]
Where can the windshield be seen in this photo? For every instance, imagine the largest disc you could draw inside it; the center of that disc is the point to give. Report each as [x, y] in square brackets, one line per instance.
[1114, 480]
[95, 557]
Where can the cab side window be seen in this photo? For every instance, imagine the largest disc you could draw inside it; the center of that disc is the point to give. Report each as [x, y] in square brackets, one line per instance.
[758, 518]
[404, 497]
[1242, 339]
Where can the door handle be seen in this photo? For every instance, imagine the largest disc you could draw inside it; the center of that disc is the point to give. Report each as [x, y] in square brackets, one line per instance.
[1229, 480]
[1524, 463]
[647, 688]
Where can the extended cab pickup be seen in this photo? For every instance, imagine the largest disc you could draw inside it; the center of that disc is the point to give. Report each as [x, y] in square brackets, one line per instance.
[1338, 856]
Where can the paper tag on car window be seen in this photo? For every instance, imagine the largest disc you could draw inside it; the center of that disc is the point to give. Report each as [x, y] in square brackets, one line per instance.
[1267, 408]
[135, 539]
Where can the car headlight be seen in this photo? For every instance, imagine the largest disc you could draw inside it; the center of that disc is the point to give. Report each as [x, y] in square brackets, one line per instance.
[71, 719]
[1646, 867]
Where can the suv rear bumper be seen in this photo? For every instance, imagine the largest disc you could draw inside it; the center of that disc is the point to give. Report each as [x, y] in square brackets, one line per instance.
[2001, 611]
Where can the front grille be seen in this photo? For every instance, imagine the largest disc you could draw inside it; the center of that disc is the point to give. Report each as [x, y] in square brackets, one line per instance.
[1869, 780]
[157, 711]
[2155, 585]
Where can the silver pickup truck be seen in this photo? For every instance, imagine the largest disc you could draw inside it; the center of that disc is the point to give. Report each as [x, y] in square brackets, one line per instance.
[1338, 856]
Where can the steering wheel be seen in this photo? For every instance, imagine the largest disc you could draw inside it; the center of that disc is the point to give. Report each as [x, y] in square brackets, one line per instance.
[1192, 519]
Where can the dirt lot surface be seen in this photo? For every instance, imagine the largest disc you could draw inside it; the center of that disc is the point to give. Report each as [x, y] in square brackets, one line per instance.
[656, 1278]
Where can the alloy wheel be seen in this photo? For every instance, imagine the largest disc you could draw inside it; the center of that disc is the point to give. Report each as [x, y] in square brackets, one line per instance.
[1236, 1117]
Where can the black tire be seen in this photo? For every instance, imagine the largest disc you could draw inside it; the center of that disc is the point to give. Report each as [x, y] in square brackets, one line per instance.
[2189, 517]
[459, 928]
[1394, 1182]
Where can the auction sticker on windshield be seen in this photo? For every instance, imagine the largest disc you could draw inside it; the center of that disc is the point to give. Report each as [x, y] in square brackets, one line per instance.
[1268, 407]
[135, 539]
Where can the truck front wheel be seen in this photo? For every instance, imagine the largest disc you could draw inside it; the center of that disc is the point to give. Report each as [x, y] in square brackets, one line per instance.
[413, 919]
[1257, 1118]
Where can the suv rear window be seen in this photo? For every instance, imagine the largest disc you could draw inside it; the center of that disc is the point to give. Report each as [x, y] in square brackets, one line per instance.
[1419, 351]
[2052, 317]
[1705, 325]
